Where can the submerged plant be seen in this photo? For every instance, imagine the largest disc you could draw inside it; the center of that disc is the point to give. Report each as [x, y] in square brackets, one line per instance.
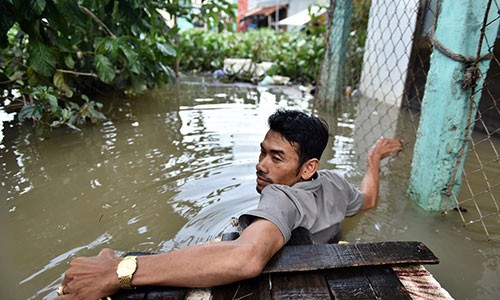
[295, 54]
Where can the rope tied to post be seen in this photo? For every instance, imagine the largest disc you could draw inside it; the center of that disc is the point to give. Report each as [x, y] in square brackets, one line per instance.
[471, 71]
[466, 59]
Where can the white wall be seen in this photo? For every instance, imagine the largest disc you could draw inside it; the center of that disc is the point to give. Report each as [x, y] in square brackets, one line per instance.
[387, 50]
[254, 3]
[296, 6]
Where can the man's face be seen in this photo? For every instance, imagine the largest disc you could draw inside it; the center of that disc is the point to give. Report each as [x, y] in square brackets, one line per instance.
[278, 161]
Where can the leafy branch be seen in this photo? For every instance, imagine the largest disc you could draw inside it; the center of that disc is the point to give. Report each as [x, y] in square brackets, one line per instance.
[98, 21]
[77, 73]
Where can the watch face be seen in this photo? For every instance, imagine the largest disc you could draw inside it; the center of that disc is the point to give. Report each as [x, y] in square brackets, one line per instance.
[126, 267]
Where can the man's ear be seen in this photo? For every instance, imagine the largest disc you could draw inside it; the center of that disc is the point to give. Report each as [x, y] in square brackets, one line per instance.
[309, 168]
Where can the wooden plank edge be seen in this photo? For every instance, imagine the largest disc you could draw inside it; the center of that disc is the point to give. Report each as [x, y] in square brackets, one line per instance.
[278, 264]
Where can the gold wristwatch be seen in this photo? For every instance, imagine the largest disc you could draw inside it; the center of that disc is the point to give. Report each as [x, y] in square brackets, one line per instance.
[125, 271]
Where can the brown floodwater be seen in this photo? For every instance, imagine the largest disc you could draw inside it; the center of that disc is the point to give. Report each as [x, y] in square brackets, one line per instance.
[170, 168]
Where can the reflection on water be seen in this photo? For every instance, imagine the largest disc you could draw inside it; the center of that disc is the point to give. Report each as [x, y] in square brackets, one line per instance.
[171, 168]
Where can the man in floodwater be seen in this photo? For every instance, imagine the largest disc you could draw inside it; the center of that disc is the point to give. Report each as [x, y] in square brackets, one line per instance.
[294, 193]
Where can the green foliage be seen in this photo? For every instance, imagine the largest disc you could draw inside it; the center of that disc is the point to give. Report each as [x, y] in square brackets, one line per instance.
[105, 69]
[295, 54]
[47, 111]
[54, 52]
[42, 59]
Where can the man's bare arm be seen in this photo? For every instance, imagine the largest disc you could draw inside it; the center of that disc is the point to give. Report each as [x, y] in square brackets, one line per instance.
[201, 265]
[370, 183]
[212, 264]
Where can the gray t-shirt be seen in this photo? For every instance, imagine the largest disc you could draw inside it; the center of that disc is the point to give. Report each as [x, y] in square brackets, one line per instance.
[319, 205]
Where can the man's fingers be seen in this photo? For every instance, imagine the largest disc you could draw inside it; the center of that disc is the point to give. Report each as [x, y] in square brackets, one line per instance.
[62, 292]
[69, 274]
[67, 279]
[385, 147]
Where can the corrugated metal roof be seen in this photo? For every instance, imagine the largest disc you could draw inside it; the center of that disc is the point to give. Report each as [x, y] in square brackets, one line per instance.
[262, 10]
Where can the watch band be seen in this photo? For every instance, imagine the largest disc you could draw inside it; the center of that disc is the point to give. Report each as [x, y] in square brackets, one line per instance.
[125, 282]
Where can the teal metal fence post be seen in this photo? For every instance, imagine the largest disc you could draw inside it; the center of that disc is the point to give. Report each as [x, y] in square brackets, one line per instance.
[332, 71]
[448, 110]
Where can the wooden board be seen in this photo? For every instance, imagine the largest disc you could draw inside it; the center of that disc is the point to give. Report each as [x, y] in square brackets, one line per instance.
[151, 293]
[330, 256]
[251, 289]
[304, 285]
[375, 282]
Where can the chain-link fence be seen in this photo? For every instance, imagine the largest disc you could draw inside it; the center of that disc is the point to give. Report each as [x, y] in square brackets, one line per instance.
[480, 192]
[395, 66]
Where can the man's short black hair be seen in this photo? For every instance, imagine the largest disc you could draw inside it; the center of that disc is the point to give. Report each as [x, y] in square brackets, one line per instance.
[309, 134]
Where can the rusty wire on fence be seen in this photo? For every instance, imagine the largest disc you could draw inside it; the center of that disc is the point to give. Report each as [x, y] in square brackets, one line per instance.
[398, 89]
